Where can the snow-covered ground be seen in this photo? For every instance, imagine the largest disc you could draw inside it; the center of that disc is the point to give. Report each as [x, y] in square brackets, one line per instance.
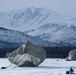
[51, 66]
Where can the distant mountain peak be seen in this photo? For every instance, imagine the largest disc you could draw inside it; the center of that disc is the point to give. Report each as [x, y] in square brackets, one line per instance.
[45, 26]
[28, 19]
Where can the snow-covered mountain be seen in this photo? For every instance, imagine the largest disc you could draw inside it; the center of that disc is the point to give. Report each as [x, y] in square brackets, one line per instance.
[44, 27]
[62, 34]
[28, 19]
[11, 38]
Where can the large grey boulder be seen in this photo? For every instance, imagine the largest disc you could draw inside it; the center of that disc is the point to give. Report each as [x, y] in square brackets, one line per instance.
[27, 55]
[71, 56]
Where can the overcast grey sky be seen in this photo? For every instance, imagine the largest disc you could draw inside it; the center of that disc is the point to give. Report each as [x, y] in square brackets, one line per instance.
[66, 7]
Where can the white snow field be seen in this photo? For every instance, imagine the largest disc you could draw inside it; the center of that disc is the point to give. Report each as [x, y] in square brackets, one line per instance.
[51, 66]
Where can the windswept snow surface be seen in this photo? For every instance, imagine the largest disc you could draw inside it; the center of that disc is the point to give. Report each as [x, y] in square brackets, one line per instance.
[54, 66]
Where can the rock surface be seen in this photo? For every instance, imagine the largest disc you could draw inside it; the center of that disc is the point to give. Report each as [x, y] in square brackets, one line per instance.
[71, 56]
[27, 55]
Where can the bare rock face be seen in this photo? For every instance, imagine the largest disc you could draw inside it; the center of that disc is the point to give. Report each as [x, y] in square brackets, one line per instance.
[27, 55]
[71, 56]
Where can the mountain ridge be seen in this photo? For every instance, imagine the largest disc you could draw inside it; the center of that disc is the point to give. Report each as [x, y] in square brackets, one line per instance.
[17, 38]
[38, 25]
[24, 18]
